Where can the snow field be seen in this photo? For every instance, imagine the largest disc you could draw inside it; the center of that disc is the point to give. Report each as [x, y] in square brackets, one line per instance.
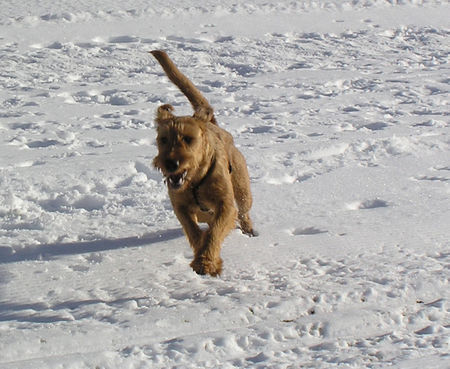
[341, 109]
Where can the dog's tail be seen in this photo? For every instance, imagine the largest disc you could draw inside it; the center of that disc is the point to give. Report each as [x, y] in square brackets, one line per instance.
[201, 106]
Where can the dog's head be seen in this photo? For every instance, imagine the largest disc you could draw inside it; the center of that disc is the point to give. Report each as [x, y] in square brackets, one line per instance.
[181, 145]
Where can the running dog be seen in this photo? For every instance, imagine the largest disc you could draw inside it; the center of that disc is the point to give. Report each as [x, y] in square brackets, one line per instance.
[206, 175]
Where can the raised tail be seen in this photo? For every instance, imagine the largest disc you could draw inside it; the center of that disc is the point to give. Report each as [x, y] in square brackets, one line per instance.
[200, 105]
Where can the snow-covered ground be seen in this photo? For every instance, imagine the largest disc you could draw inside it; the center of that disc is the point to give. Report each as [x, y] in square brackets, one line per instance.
[342, 111]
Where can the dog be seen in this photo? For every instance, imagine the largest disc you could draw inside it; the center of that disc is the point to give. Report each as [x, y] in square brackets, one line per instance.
[206, 175]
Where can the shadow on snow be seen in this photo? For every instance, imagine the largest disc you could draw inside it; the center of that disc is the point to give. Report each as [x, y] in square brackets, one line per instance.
[49, 251]
[41, 312]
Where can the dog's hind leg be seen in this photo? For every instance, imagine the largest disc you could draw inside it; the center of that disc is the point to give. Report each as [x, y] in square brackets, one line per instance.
[242, 193]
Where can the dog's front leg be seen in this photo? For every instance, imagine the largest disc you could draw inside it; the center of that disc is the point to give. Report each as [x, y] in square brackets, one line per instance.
[190, 227]
[207, 259]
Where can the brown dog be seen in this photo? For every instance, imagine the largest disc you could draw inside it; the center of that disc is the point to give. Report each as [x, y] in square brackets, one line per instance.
[206, 174]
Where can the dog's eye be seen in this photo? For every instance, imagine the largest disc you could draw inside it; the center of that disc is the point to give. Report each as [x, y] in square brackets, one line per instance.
[163, 140]
[187, 140]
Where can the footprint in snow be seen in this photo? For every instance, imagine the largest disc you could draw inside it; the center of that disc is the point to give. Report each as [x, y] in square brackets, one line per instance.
[308, 231]
[109, 97]
[432, 178]
[368, 204]
[123, 39]
[377, 126]
[440, 176]
[38, 144]
[25, 126]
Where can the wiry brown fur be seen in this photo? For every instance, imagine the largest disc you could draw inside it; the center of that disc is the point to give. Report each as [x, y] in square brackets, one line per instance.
[206, 174]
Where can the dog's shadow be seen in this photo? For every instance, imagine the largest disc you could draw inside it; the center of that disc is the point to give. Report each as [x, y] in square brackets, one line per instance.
[51, 251]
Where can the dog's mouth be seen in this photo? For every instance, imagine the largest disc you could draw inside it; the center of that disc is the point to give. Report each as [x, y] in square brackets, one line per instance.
[176, 181]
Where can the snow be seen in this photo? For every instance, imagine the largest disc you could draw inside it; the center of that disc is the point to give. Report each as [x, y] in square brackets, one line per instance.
[342, 111]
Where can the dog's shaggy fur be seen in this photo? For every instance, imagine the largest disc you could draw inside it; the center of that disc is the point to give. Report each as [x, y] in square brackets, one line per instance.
[206, 174]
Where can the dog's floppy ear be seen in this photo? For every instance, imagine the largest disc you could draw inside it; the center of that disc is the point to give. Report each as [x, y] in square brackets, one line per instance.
[205, 113]
[164, 112]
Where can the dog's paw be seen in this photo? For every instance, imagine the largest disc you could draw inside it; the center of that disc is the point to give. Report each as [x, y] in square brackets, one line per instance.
[246, 226]
[249, 231]
[204, 266]
[252, 233]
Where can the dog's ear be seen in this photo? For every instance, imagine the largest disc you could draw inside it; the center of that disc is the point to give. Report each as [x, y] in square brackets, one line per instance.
[164, 112]
[204, 113]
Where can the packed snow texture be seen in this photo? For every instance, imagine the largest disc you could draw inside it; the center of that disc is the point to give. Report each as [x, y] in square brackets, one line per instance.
[342, 111]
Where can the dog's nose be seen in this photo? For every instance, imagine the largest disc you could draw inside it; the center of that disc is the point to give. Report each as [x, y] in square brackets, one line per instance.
[172, 165]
